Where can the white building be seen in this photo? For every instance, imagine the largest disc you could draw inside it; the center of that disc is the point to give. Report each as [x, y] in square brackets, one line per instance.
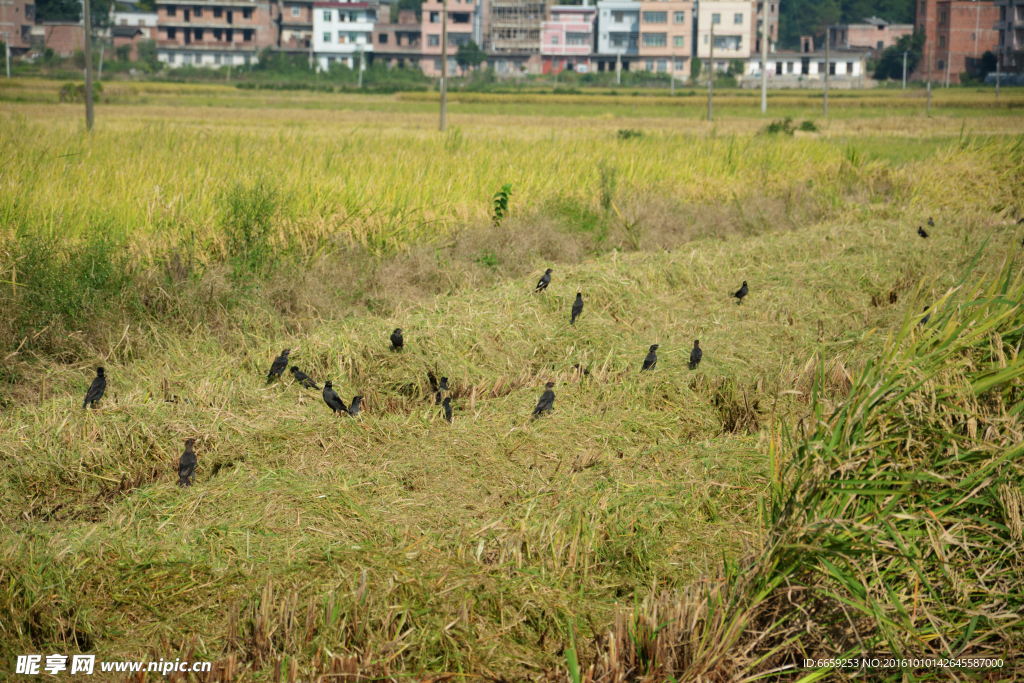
[341, 31]
[793, 69]
[131, 15]
[730, 22]
[618, 32]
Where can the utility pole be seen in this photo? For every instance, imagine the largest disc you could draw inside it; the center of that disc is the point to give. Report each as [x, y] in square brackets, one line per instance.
[88, 67]
[672, 75]
[948, 55]
[362, 65]
[711, 68]
[904, 69]
[7, 52]
[618, 68]
[930, 54]
[999, 62]
[765, 33]
[828, 67]
[444, 63]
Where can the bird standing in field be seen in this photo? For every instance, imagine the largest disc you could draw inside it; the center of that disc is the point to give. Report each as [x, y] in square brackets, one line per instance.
[278, 366]
[544, 281]
[741, 292]
[396, 339]
[447, 408]
[187, 465]
[546, 402]
[96, 389]
[302, 378]
[931, 223]
[353, 409]
[577, 308]
[651, 360]
[442, 390]
[927, 317]
[332, 399]
[695, 355]
[921, 231]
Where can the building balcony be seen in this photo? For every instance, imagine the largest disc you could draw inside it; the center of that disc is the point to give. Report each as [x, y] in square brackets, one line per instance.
[243, 4]
[212, 45]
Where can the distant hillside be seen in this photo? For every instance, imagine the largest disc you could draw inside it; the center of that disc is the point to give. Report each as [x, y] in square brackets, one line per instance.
[803, 17]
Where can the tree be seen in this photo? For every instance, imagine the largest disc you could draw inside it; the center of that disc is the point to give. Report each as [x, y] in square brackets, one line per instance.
[469, 55]
[810, 17]
[58, 10]
[148, 54]
[891, 63]
[405, 4]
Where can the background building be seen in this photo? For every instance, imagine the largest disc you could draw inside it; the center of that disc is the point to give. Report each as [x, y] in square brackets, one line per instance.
[399, 43]
[343, 33]
[465, 23]
[618, 34]
[213, 34]
[1010, 25]
[957, 34]
[666, 30]
[17, 18]
[773, 24]
[567, 40]
[793, 69]
[732, 21]
[873, 34]
[513, 33]
[294, 19]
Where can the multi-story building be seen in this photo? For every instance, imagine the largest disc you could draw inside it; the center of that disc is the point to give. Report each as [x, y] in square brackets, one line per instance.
[666, 29]
[398, 44]
[343, 33]
[773, 25]
[17, 17]
[294, 19]
[1010, 25]
[730, 22]
[465, 23]
[567, 40]
[874, 34]
[806, 69]
[618, 34]
[212, 33]
[513, 34]
[957, 34]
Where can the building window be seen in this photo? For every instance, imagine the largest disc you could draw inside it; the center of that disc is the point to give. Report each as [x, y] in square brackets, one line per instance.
[327, 15]
[327, 36]
[737, 18]
[649, 65]
[171, 11]
[554, 40]
[679, 41]
[216, 34]
[577, 39]
[662, 66]
[437, 65]
[654, 40]
[434, 41]
[789, 67]
[831, 68]
[679, 18]
[198, 12]
[922, 7]
[295, 11]
[246, 35]
[716, 18]
[342, 37]
[217, 12]
[942, 65]
[655, 17]
[849, 68]
[216, 59]
[942, 18]
[199, 34]
[172, 33]
[617, 17]
[680, 65]
[435, 18]
[383, 39]
[942, 41]
[728, 42]
[246, 13]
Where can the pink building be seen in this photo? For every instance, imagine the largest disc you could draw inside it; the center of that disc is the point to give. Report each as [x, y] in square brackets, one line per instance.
[567, 40]
[465, 23]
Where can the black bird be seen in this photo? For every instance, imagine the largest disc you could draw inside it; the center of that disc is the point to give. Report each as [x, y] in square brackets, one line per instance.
[353, 409]
[651, 359]
[585, 372]
[931, 223]
[695, 355]
[926, 318]
[546, 402]
[187, 465]
[441, 390]
[921, 231]
[332, 399]
[302, 378]
[577, 308]
[396, 339]
[742, 292]
[544, 281]
[447, 408]
[96, 389]
[278, 366]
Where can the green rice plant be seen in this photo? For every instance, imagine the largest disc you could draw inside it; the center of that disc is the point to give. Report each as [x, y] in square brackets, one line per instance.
[247, 219]
[500, 202]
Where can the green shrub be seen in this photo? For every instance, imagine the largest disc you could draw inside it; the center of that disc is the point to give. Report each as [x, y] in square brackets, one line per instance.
[248, 213]
[808, 127]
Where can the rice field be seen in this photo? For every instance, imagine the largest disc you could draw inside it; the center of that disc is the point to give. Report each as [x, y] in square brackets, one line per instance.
[834, 480]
